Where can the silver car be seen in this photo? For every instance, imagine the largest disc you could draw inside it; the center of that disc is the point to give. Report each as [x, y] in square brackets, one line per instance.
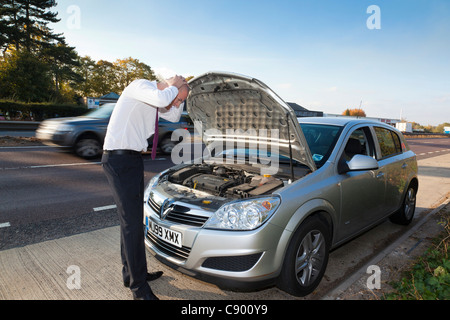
[271, 195]
[85, 134]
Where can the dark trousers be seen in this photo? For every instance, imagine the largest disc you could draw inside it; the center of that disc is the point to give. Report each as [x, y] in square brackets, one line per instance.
[125, 174]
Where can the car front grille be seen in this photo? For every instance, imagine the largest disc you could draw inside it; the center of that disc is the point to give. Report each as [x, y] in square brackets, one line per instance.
[167, 248]
[180, 214]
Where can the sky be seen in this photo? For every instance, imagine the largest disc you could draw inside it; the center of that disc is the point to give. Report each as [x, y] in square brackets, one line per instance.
[391, 57]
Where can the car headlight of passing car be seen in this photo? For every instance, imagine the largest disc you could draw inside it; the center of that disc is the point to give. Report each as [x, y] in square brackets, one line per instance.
[244, 215]
[64, 127]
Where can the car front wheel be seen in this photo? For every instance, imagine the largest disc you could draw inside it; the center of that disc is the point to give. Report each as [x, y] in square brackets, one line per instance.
[306, 258]
[88, 148]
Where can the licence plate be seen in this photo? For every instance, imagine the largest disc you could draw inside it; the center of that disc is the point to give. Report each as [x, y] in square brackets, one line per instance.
[167, 235]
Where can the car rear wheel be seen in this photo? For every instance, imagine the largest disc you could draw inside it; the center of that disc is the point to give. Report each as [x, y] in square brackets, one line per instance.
[405, 215]
[306, 258]
[88, 148]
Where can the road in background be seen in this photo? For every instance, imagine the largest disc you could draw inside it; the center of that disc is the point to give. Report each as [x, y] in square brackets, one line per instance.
[429, 147]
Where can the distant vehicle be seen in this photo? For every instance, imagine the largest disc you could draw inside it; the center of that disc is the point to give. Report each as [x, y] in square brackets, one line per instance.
[85, 134]
[447, 130]
[404, 127]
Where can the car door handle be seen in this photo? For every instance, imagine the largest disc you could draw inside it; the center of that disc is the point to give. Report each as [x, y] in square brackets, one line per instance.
[404, 166]
[380, 174]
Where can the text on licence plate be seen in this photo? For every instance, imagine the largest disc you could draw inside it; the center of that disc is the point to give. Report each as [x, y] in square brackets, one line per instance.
[167, 235]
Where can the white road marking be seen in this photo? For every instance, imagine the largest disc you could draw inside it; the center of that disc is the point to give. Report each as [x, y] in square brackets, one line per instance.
[52, 166]
[5, 225]
[113, 206]
[27, 147]
[68, 165]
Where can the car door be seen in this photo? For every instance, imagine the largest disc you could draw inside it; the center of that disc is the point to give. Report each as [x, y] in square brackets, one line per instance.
[392, 163]
[362, 192]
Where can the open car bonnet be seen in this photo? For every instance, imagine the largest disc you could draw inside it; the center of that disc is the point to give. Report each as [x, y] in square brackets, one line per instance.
[235, 110]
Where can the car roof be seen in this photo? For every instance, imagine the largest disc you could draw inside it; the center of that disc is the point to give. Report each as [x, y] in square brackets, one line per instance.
[337, 121]
[346, 122]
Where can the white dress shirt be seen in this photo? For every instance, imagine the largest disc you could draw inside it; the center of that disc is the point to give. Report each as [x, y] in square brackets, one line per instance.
[133, 119]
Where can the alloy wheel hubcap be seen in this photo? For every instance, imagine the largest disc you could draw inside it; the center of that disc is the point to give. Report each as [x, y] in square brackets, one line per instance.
[410, 203]
[310, 257]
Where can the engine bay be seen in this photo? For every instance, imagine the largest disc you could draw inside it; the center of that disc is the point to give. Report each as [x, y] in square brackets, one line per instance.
[225, 181]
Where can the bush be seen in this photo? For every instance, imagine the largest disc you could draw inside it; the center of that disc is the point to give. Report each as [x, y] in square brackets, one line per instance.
[429, 278]
[39, 111]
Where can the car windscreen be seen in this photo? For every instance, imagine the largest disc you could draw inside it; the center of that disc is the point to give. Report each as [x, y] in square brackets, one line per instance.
[103, 112]
[321, 139]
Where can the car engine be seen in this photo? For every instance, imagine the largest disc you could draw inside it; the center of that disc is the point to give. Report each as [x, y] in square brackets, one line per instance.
[225, 181]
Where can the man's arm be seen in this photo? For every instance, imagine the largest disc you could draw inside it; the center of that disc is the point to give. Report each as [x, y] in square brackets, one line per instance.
[142, 91]
[146, 93]
[173, 114]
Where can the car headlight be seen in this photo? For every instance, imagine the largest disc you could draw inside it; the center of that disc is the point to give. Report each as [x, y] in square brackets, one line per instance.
[244, 215]
[153, 182]
[64, 127]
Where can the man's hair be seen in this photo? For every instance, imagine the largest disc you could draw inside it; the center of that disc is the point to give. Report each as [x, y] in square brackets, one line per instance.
[185, 86]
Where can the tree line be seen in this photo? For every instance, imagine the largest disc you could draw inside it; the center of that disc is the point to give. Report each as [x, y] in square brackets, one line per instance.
[358, 112]
[37, 65]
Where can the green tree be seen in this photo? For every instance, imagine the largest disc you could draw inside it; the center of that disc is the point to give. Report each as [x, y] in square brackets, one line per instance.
[37, 17]
[8, 26]
[440, 128]
[354, 113]
[62, 60]
[104, 78]
[130, 69]
[25, 23]
[24, 77]
[85, 70]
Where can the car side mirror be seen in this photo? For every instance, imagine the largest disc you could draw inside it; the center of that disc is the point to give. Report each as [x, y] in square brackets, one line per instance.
[359, 162]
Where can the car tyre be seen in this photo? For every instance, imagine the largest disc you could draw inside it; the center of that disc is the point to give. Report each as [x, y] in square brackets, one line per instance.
[167, 145]
[405, 214]
[306, 258]
[88, 148]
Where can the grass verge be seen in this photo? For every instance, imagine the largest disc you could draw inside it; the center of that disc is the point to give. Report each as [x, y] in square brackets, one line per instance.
[429, 276]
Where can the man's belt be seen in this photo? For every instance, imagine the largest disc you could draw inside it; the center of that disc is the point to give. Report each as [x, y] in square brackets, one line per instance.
[120, 152]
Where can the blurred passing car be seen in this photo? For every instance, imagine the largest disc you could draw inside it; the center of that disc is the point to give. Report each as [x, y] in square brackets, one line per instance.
[221, 219]
[85, 134]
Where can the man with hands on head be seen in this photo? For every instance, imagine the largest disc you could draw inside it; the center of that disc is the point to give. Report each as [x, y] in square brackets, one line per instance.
[133, 121]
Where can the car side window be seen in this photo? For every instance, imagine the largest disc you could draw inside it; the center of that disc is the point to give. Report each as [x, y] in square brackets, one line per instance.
[398, 145]
[359, 142]
[389, 142]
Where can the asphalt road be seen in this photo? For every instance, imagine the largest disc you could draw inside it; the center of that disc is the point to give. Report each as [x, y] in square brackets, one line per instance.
[431, 147]
[48, 193]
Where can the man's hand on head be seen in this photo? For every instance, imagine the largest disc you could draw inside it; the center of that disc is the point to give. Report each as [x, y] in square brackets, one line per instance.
[177, 81]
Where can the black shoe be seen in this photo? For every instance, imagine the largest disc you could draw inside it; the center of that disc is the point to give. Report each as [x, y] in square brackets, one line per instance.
[148, 296]
[150, 277]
